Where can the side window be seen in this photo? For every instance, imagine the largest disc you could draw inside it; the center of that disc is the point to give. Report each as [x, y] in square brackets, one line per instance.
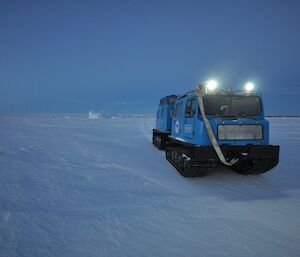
[190, 108]
[177, 110]
[162, 111]
[194, 103]
[157, 114]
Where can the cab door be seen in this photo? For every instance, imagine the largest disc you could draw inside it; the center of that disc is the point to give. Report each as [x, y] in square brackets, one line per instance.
[189, 119]
[176, 121]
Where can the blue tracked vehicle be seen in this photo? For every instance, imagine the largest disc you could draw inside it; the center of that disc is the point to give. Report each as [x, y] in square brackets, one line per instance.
[208, 126]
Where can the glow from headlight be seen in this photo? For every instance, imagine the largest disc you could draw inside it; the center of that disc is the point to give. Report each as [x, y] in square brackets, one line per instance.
[211, 85]
[249, 86]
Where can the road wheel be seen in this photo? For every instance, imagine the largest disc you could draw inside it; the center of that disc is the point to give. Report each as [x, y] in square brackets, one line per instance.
[187, 168]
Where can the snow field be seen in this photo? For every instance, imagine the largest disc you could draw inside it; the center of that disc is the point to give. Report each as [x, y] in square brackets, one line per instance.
[98, 187]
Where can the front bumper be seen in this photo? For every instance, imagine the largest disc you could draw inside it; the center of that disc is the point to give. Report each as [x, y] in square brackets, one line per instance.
[246, 151]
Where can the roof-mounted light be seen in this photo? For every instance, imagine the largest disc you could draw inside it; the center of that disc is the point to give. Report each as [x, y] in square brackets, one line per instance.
[249, 86]
[211, 85]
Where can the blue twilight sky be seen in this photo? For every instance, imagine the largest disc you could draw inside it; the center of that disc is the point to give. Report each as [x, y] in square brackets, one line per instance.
[122, 56]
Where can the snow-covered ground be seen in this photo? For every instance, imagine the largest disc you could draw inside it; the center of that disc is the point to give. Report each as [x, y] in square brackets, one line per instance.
[73, 186]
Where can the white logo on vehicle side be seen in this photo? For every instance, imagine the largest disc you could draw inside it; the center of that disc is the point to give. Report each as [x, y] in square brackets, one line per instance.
[177, 126]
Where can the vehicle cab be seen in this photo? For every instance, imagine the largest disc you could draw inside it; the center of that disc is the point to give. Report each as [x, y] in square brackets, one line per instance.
[237, 118]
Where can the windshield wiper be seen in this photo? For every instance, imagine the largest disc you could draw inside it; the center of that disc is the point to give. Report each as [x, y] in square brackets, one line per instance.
[225, 116]
[234, 116]
[245, 117]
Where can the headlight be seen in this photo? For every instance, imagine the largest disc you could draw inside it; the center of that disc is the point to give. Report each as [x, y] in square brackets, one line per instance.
[240, 132]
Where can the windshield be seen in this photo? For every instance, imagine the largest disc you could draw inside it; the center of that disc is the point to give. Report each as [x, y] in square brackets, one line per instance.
[224, 105]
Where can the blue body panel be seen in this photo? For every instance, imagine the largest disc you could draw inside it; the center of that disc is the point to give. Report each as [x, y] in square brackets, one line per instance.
[164, 113]
[191, 129]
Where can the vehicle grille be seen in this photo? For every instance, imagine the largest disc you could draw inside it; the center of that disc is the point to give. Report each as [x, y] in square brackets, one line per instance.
[240, 132]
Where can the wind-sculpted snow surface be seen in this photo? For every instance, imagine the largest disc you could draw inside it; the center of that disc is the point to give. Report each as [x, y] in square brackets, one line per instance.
[97, 187]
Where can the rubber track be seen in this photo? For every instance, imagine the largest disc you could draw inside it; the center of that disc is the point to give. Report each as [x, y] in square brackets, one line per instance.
[198, 167]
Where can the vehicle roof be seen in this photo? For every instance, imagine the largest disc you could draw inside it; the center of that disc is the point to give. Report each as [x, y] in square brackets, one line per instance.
[222, 92]
[168, 97]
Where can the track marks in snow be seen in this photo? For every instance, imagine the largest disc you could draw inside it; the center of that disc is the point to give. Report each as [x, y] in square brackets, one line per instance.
[146, 129]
